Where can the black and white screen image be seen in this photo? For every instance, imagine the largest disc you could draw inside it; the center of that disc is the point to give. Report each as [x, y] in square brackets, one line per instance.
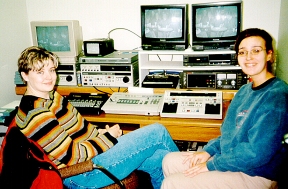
[163, 23]
[213, 22]
[53, 38]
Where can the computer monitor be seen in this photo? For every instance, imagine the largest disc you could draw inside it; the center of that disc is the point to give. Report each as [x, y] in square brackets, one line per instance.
[164, 27]
[62, 37]
[216, 25]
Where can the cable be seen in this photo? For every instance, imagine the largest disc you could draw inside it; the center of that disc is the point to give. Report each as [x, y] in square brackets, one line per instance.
[119, 89]
[101, 90]
[112, 89]
[122, 29]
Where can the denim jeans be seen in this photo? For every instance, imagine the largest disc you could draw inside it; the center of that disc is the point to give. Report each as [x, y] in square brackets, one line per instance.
[142, 149]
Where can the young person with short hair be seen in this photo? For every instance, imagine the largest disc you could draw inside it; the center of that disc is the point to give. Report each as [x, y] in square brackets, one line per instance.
[50, 119]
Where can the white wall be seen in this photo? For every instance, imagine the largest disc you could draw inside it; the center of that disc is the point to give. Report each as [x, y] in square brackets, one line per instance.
[97, 18]
[282, 65]
[14, 37]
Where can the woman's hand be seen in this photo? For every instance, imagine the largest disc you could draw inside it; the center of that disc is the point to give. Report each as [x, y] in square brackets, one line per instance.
[195, 170]
[197, 163]
[114, 131]
[102, 131]
[196, 158]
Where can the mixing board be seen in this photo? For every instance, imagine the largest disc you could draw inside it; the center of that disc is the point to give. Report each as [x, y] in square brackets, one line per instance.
[192, 104]
[87, 103]
[133, 103]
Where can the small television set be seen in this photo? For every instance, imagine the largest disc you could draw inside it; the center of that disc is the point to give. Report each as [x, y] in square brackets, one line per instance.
[164, 27]
[215, 25]
[62, 37]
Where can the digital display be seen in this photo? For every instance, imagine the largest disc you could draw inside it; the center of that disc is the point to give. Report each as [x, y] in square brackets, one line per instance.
[93, 48]
[216, 22]
[163, 23]
[53, 38]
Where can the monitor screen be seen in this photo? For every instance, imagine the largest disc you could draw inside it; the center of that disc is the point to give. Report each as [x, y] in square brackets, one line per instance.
[62, 37]
[220, 21]
[164, 27]
[53, 38]
[163, 23]
[216, 25]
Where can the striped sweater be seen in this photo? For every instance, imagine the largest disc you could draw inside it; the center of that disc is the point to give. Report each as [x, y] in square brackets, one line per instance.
[60, 130]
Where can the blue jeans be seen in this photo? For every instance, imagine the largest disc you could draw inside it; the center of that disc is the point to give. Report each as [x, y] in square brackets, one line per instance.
[142, 149]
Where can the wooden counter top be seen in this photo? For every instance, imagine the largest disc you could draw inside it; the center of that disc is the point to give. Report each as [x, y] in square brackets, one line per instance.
[179, 128]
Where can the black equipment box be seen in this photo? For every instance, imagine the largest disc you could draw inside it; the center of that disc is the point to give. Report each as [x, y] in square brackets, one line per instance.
[88, 104]
[98, 47]
[161, 81]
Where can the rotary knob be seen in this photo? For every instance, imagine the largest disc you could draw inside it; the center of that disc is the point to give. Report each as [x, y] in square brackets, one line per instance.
[126, 79]
[69, 78]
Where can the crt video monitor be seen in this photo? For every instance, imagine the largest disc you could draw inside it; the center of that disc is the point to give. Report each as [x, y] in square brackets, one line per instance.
[62, 37]
[216, 25]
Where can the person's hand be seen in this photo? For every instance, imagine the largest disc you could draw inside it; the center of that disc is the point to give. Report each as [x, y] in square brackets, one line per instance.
[197, 163]
[195, 170]
[196, 158]
[102, 131]
[114, 131]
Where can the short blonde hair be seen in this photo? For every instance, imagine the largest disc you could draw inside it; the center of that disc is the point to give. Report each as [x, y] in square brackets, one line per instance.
[35, 58]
